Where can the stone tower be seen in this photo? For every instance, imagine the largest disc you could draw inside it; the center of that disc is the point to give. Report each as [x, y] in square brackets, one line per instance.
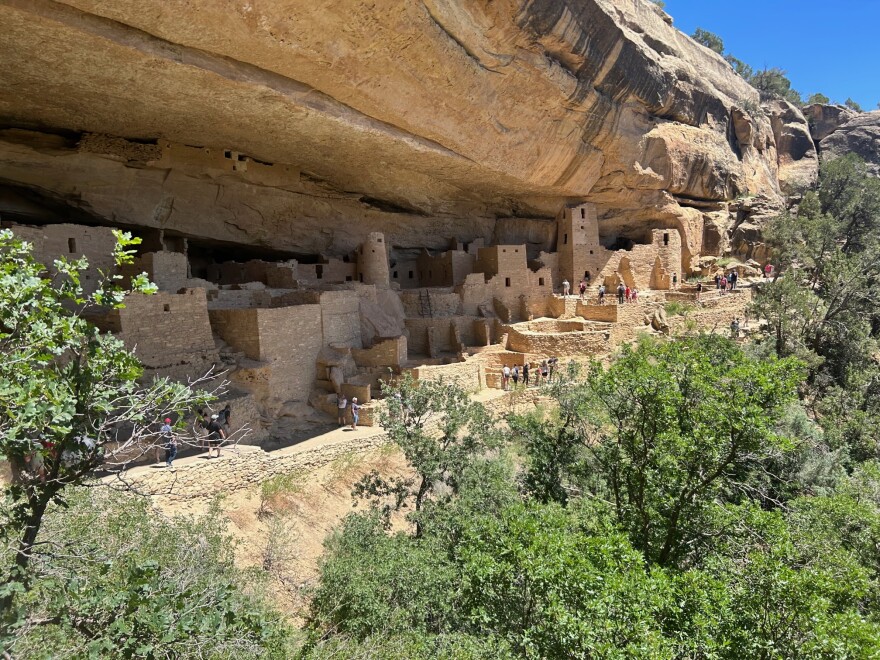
[373, 260]
[577, 242]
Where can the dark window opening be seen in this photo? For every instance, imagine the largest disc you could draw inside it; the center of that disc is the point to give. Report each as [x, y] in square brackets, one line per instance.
[361, 277]
[586, 274]
[591, 252]
[345, 259]
[348, 278]
[583, 213]
[167, 308]
[394, 275]
[227, 154]
[379, 240]
[241, 157]
[504, 250]
[506, 281]
[430, 274]
[410, 274]
[71, 245]
[565, 240]
[540, 281]
[582, 226]
[319, 271]
[665, 239]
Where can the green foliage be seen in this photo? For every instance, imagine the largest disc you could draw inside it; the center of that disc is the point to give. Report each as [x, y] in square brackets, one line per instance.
[743, 69]
[132, 585]
[853, 105]
[709, 39]
[818, 98]
[677, 308]
[70, 396]
[440, 430]
[773, 83]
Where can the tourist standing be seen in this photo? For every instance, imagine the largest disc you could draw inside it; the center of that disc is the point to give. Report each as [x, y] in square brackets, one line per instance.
[628, 294]
[545, 370]
[621, 292]
[216, 435]
[583, 289]
[341, 405]
[734, 328]
[734, 278]
[515, 374]
[699, 291]
[768, 269]
[551, 367]
[717, 281]
[635, 294]
[675, 280]
[565, 288]
[170, 442]
[224, 417]
[526, 375]
[355, 413]
[505, 377]
[601, 294]
[723, 285]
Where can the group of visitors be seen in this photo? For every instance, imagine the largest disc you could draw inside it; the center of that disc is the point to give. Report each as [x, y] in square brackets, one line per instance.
[536, 373]
[212, 430]
[726, 282]
[342, 405]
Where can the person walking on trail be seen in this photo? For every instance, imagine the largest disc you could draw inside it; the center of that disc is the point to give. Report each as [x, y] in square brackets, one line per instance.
[734, 327]
[635, 295]
[515, 374]
[723, 285]
[675, 280]
[505, 377]
[216, 435]
[355, 413]
[768, 270]
[525, 375]
[165, 435]
[699, 291]
[551, 367]
[717, 281]
[565, 288]
[341, 406]
[734, 278]
[621, 292]
[601, 294]
[582, 287]
[628, 294]
[545, 371]
[170, 442]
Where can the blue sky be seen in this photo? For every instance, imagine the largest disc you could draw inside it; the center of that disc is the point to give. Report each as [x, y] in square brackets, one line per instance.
[829, 47]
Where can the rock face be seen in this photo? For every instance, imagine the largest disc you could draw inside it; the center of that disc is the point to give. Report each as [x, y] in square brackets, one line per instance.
[279, 126]
[859, 135]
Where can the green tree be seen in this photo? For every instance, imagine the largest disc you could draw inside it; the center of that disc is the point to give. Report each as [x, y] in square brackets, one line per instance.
[709, 39]
[131, 584]
[773, 83]
[853, 105]
[743, 69]
[678, 424]
[440, 430]
[818, 98]
[70, 396]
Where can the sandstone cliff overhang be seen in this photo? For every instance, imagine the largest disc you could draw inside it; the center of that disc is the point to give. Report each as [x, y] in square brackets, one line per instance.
[419, 119]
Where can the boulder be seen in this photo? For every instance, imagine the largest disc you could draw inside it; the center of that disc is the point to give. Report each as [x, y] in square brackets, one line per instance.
[860, 136]
[824, 119]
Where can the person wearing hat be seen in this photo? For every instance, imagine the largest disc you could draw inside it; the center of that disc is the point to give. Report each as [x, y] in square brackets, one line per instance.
[170, 442]
[355, 410]
[166, 436]
[216, 435]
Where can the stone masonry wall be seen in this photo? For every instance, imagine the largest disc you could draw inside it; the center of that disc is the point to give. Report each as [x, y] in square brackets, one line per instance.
[167, 329]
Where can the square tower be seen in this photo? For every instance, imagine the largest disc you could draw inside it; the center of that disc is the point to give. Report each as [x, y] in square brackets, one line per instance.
[581, 255]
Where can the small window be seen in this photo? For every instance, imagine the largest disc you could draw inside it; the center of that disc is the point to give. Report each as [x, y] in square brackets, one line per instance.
[583, 213]
[504, 249]
[586, 274]
[167, 308]
[565, 240]
[666, 239]
[379, 240]
[71, 245]
[540, 281]
[591, 252]
[319, 271]
[241, 157]
[394, 275]
[348, 278]
[374, 252]
[506, 281]
[582, 226]
[227, 154]
[517, 250]
[410, 274]
[361, 277]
